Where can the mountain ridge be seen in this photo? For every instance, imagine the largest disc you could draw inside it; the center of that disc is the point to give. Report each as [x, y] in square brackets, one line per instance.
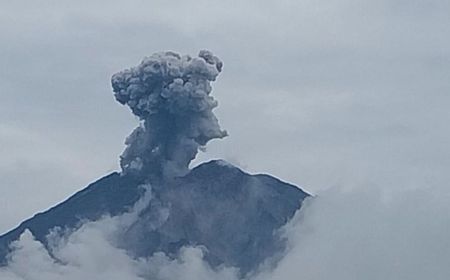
[232, 213]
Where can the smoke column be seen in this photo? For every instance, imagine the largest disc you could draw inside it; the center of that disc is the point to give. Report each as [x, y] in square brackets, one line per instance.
[171, 96]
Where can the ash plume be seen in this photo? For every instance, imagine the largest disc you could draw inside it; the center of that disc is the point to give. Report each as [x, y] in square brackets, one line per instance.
[170, 94]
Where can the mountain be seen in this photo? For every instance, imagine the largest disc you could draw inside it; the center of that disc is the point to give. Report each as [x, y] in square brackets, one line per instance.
[233, 214]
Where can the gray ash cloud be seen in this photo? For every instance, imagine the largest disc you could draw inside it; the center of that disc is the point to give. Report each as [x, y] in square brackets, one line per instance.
[170, 94]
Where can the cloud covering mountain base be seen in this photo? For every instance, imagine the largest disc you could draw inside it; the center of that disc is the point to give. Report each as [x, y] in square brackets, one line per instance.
[340, 234]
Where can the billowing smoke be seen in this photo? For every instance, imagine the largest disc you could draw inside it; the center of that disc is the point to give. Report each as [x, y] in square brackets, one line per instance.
[171, 96]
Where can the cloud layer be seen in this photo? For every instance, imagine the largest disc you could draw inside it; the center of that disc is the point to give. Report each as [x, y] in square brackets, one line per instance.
[341, 234]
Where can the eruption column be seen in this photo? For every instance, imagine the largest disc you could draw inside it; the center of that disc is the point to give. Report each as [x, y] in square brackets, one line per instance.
[171, 96]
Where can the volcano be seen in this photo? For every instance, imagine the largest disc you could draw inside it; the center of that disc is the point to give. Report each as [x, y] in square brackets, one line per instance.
[234, 216]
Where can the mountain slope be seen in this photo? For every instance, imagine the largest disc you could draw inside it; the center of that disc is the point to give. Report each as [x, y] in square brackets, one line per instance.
[232, 213]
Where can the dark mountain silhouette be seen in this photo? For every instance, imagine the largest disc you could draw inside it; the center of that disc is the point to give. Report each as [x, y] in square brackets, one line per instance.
[234, 215]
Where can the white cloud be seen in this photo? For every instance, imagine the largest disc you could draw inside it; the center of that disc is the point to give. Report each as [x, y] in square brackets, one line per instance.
[370, 234]
[341, 234]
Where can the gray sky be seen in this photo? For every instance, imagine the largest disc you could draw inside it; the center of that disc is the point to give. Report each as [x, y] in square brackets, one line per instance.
[318, 93]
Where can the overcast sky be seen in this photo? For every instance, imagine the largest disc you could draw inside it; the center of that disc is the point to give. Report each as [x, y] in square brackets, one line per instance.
[318, 93]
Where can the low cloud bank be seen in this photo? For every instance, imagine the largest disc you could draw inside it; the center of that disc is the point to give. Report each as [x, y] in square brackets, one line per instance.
[357, 234]
[370, 234]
